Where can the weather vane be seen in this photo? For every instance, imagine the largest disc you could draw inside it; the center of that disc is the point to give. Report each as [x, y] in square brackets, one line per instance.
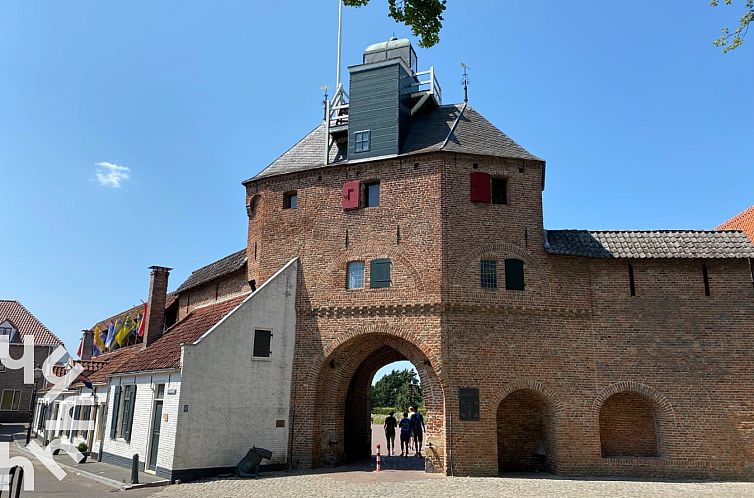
[465, 82]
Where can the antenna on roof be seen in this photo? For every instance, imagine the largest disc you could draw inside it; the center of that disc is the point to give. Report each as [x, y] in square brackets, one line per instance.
[465, 82]
[340, 25]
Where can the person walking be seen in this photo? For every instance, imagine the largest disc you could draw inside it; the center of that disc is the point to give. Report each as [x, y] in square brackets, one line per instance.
[405, 426]
[389, 426]
[416, 422]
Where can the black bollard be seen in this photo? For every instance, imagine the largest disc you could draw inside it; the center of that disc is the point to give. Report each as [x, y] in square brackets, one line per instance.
[19, 481]
[135, 470]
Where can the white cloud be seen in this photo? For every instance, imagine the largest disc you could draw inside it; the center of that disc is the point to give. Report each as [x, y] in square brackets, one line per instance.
[111, 174]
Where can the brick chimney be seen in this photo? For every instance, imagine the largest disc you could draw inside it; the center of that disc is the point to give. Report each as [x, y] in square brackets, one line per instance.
[158, 290]
[86, 347]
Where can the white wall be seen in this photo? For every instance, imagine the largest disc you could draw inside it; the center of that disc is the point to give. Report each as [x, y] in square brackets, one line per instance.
[142, 420]
[233, 399]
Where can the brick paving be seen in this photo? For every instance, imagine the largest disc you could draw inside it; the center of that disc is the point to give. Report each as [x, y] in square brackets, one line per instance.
[419, 484]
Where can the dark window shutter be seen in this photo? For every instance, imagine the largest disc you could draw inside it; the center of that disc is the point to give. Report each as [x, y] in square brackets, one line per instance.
[351, 191]
[481, 188]
[129, 414]
[379, 270]
[116, 405]
[514, 274]
[262, 342]
[76, 414]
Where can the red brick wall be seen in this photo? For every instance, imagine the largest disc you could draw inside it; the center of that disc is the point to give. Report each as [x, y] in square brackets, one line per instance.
[627, 427]
[523, 424]
[575, 335]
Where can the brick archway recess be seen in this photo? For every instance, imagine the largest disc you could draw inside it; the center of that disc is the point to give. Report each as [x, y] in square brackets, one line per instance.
[352, 364]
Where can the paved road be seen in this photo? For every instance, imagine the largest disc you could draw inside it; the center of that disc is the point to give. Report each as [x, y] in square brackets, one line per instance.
[73, 485]
[417, 484]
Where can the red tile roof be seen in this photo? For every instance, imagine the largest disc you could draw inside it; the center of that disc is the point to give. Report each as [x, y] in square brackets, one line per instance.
[115, 360]
[26, 323]
[165, 353]
[743, 221]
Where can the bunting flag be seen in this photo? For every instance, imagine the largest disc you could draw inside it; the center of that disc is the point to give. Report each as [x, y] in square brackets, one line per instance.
[142, 322]
[98, 342]
[96, 351]
[125, 330]
[110, 335]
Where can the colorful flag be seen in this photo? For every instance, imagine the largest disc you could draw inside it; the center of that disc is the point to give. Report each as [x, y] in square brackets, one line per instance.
[98, 342]
[128, 326]
[142, 321]
[96, 350]
[81, 347]
[110, 335]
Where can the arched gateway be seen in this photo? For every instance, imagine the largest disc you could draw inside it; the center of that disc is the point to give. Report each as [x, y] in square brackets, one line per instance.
[343, 391]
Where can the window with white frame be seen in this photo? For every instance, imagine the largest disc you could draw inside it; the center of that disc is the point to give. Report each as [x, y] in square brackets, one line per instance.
[121, 422]
[10, 400]
[355, 274]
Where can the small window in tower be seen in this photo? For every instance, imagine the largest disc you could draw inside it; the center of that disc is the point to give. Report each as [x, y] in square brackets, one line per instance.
[361, 141]
[262, 341]
[499, 191]
[290, 200]
[488, 273]
[356, 275]
[514, 274]
[371, 194]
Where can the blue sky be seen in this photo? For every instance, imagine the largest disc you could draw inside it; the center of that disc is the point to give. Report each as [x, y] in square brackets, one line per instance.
[643, 123]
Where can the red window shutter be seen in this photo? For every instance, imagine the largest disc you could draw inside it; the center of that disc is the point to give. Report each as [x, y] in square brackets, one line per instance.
[481, 187]
[351, 191]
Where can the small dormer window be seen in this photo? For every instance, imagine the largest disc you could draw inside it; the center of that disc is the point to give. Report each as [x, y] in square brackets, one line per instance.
[361, 140]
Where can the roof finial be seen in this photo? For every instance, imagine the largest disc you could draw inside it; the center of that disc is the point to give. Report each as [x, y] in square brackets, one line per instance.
[324, 98]
[465, 82]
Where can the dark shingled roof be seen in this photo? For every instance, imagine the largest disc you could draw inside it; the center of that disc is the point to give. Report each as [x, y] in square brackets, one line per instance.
[452, 128]
[218, 269]
[650, 244]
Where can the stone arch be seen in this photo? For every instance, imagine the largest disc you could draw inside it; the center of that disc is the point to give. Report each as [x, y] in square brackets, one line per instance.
[527, 415]
[634, 421]
[348, 365]
[501, 250]
[337, 267]
[533, 385]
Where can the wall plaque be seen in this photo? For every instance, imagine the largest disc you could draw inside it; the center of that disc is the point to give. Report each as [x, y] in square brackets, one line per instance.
[468, 403]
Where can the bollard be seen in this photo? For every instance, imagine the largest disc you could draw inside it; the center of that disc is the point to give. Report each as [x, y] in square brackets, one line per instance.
[135, 469]
[19, 482]
[379, 462]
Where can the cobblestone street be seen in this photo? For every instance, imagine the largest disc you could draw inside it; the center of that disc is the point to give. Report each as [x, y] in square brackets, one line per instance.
[418, 484]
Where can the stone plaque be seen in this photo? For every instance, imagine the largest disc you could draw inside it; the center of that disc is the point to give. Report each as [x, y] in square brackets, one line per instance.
[468, 403]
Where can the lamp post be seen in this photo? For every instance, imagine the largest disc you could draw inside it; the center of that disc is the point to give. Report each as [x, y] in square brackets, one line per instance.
[37, 379]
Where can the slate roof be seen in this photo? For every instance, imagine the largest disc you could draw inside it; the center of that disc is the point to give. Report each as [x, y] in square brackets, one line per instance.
[219, 268]
[743, 221]
[650, 244]
[451, 128]
[165, 352]
[26, 323]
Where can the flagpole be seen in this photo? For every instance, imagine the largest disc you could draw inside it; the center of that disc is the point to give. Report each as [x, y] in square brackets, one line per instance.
[340, 25]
